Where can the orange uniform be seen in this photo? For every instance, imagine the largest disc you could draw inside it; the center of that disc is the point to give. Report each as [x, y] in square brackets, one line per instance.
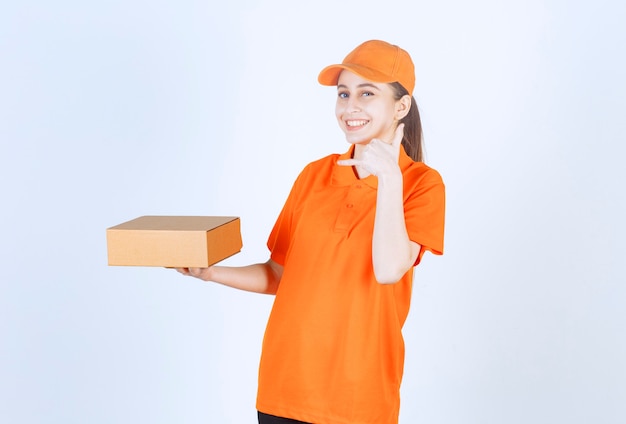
[333, 351]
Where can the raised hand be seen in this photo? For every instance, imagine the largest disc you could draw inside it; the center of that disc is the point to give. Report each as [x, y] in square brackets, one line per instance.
[378, 157]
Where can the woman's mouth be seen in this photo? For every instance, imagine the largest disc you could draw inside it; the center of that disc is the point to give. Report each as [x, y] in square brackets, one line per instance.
[355, 124]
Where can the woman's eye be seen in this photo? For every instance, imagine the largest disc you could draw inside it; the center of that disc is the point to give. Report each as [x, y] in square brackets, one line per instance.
[343, 95]
[367, 94]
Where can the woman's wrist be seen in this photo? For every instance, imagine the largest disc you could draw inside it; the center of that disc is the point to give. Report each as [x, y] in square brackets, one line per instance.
[393, 177]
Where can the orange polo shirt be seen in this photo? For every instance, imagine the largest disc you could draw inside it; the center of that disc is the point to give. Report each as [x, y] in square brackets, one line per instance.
[333, 351]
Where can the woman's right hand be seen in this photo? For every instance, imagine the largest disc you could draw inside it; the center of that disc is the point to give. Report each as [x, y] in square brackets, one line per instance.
[201, 273]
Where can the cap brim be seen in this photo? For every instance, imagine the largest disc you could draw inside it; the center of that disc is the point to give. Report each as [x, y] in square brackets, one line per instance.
[330, 74]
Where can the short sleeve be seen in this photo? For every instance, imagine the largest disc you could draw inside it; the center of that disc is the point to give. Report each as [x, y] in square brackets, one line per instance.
[281, 234]
[424, 210]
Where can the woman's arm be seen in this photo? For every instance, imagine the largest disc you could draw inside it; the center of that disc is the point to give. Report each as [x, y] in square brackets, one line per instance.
[393, 253]
[259, 278]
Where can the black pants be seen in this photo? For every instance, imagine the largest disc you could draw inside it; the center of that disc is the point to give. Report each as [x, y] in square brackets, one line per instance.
[270, 419]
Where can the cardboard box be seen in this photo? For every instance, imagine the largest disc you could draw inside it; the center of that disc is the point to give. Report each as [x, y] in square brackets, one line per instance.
[174, 241]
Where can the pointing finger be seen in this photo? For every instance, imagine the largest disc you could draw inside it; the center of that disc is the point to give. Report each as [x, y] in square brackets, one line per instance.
[348, 162]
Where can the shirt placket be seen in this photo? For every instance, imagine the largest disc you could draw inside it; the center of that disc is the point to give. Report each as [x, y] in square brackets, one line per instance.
[351, 207]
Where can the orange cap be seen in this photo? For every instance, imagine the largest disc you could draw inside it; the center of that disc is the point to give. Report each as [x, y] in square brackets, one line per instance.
[376, 61]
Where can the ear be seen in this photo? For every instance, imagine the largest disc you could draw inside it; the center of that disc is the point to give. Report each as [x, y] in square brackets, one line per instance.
[403, 105]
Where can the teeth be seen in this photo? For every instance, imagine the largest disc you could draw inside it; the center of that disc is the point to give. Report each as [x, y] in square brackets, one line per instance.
[356, 123]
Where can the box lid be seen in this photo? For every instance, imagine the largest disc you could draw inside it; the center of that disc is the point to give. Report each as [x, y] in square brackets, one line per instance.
[174, 223]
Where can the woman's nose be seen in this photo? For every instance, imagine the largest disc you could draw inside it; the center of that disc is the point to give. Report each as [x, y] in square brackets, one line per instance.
[353, 105]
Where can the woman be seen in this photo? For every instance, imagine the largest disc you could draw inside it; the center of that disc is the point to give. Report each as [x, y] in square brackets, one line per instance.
[342, 254]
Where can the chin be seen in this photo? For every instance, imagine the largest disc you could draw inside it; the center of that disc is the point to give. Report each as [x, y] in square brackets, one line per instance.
[357, 140]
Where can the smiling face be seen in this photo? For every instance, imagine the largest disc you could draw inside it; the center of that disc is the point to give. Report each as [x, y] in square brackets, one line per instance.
[366, 110]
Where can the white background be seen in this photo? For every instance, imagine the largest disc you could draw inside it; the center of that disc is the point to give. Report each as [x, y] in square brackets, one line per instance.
[114, 109]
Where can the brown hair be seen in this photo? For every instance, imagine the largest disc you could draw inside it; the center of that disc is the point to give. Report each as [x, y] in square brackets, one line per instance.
[413, 137]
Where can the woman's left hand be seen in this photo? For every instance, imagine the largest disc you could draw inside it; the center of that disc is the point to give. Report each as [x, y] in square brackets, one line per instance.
[379, 158]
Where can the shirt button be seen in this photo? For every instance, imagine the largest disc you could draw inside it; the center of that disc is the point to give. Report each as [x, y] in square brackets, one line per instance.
[358, 186]
[349, 205]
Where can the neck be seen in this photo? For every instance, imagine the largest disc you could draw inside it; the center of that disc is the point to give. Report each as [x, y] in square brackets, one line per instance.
[358, 154]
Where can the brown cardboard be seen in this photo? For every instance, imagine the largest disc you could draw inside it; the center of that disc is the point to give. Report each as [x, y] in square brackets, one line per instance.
[174, 241]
